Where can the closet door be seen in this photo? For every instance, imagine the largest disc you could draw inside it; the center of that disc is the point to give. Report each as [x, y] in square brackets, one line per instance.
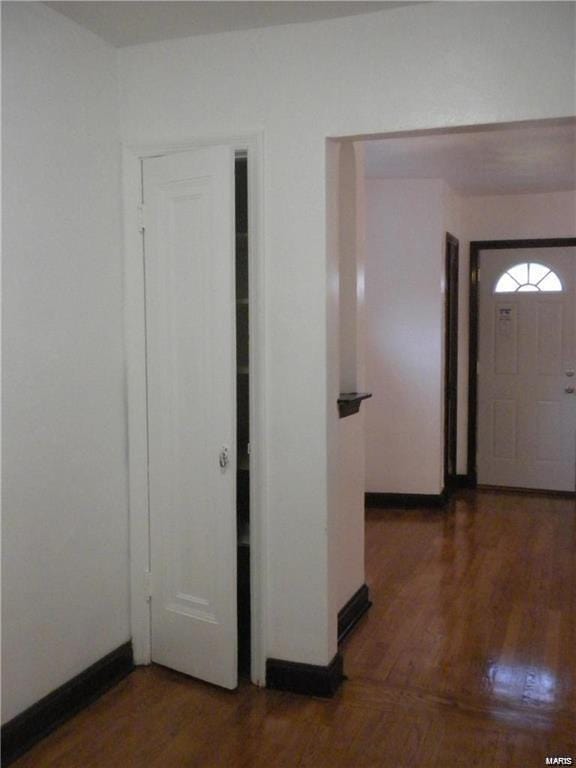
[190, 320]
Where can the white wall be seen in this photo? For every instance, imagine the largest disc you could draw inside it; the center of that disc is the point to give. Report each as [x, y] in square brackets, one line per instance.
[421, 66]
[65, 546]
[517, 217]
[404, 339]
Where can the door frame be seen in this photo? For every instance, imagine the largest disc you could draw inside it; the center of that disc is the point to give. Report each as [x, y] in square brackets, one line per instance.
[133, 157]
[476, 248]
[451, 296]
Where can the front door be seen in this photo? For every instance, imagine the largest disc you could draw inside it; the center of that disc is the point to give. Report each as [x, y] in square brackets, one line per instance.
[527, 369]
[190, 329]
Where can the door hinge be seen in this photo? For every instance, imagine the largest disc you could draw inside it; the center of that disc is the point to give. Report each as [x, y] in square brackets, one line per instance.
[140, 217]
[148, 586]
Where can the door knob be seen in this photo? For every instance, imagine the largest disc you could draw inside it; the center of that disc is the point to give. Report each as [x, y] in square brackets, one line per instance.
[224, 457]
[569, 390]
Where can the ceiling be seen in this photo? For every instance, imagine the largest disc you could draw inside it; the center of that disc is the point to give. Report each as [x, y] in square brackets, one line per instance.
[133, 23]
[514, 160]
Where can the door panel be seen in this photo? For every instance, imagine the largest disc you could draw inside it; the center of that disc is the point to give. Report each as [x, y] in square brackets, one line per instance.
[549, 415]
[504, 429]
[506, 338]
[550, 334]
[526, 411]
[189, 259]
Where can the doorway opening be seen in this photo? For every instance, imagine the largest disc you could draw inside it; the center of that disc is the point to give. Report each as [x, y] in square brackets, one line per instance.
[478, 183]
[242, 413]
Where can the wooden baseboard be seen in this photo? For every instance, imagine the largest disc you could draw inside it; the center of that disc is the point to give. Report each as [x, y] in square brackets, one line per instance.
[353, 611]
[308, 679]
[27, 728]
[527, 491]
[405, 500]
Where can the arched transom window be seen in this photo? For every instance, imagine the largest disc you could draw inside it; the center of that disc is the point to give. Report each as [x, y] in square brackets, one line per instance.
[529, 276]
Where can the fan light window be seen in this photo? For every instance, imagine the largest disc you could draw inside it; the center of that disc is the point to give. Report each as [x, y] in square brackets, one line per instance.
[524, 278]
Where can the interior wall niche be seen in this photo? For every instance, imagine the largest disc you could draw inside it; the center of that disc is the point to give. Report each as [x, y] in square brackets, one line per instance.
[350, 253]
[347, 256]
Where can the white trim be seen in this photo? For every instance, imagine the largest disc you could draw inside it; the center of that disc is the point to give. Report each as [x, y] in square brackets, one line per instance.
[135, 345]
[135, 341]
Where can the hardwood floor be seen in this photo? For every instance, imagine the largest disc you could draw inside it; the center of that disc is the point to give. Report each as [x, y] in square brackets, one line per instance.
[467, 658]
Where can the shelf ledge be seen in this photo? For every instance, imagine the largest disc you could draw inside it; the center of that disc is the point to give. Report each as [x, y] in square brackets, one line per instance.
[349, 402]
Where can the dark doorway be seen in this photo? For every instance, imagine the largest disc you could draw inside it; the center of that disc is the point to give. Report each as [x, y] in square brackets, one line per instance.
[243, 417]
[451, 363]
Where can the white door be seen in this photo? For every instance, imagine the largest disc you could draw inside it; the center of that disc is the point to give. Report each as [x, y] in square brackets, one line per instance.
[190, 319]
[527, 364]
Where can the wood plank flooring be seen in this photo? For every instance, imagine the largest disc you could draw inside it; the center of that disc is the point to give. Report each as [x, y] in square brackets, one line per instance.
[467, 658]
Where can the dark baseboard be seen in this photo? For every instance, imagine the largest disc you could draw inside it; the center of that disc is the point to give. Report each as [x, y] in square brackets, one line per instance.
[308, 679]
[405, 500]
[27, 728]
[464, 481]
[352, 612]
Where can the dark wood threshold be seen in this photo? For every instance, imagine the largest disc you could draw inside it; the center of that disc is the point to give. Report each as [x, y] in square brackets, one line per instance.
[349, 402]
[308, 679]
[464, 481]
[349, 616]
[27, 728]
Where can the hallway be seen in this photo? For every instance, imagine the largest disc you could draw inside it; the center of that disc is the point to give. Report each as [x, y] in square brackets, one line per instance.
[467, 658]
